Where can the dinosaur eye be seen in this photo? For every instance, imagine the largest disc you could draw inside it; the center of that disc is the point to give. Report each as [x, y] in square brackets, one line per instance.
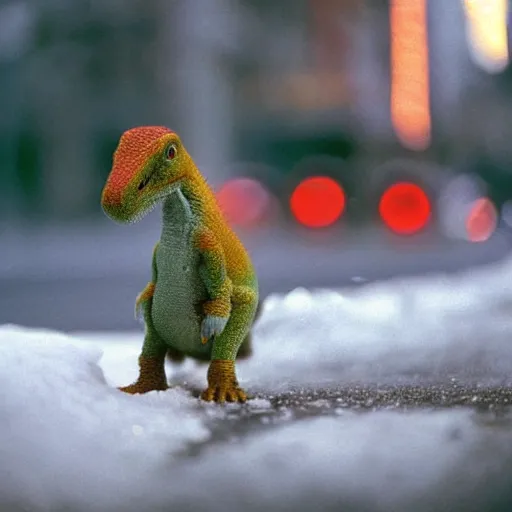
[171, 152]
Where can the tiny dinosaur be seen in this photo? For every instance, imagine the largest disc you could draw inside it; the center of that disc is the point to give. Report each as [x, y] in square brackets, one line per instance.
[203, 296]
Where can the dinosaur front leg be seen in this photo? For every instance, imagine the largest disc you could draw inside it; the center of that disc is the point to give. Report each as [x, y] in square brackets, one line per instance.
[245, 350]
[222, 381]
[214, 275]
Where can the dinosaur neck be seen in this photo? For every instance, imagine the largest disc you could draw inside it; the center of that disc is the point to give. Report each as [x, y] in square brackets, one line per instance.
[186, 207]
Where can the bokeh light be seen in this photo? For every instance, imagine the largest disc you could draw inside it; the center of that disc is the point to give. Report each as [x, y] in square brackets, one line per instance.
[482, 220]
[244, 201]
[410, 87]
[318, 202]
[487, 33]
[405, 208]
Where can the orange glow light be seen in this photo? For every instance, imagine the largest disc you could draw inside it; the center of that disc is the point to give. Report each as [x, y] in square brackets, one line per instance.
[317, 202]
[405, 208]
[410, 96]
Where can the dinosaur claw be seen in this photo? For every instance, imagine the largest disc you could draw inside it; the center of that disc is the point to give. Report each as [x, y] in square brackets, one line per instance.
[212, 326]
[220, 394]
[236, 395]
[222, 384]
[208, 394]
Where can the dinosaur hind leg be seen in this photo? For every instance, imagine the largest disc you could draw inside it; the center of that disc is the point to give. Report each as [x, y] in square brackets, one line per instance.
[151, 362]
[175, 356]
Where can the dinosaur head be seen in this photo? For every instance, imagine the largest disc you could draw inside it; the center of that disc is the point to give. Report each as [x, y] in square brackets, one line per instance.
[149, 163]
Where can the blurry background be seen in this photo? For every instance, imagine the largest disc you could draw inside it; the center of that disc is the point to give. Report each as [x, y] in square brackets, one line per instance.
[347, 140]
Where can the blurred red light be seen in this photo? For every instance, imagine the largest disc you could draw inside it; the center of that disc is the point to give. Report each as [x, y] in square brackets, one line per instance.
[482, 220]
[405, 208]
[317, 202]
[244, 201]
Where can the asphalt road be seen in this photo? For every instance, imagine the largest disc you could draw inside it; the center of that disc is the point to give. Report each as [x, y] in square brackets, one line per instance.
[89, 281]
[494, 403]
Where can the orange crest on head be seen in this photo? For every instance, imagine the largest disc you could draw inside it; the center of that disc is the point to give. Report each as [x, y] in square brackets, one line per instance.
[135, 147]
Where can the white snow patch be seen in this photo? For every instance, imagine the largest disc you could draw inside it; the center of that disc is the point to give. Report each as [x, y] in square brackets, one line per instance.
[360, 457]
[67, 437]
[384, 328]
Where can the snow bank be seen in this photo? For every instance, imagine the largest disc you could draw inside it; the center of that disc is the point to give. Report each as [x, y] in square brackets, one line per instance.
[382, 461]
[425, 326]
[69, 438]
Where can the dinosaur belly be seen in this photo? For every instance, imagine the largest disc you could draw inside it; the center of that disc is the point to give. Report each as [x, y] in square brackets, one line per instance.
[178, 298]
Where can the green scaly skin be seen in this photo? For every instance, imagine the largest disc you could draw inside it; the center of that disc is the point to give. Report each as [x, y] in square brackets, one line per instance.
[202, 299]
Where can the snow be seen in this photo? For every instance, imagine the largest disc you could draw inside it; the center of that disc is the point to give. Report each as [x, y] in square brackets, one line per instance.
[62, 424]
[325, 455]
[70, 440]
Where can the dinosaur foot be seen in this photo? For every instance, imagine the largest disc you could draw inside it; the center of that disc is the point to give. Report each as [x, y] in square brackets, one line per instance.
[222, 394]
[222, 383]
[138, 388]
[151, 377]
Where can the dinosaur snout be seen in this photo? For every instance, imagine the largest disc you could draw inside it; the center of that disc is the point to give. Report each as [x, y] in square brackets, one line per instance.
[114, 204]
[110, 206]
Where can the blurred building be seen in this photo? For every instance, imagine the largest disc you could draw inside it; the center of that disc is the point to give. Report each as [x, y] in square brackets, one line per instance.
[244, 82]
